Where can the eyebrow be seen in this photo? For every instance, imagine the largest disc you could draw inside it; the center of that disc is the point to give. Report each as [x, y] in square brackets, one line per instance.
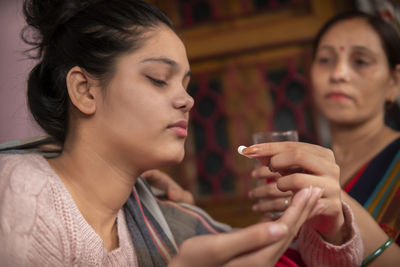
[363, 48]
[356, 47]
[167, 61]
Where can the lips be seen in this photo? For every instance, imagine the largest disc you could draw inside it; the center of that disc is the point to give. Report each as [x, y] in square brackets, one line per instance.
[337, 96]
[180, 128]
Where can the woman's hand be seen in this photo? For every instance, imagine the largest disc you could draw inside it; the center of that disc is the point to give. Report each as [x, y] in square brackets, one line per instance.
[266, 194]
[163, 182]
[317, 168]
[258, 245]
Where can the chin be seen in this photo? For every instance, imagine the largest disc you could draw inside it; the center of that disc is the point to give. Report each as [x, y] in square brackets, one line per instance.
[174, 157]
[344, 121]
[340, 114]
[156, 163]
[178, 158]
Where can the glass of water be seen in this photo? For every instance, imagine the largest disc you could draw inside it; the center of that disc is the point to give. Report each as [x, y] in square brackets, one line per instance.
[273, 136]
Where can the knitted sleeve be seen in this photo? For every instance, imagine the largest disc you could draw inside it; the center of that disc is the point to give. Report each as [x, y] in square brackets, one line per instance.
[26, 237]
[316, 252]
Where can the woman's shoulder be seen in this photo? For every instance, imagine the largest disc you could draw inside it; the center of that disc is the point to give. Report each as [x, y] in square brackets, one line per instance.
[26, 208]
[23, 174]
[23, 179]
[389, 150]
[390, 138]
[28, 160]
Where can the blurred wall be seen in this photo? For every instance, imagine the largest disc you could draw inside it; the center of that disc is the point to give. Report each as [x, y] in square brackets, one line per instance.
[15, 121]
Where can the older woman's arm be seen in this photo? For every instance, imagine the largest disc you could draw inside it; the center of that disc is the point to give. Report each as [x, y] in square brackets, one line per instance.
[373, 236]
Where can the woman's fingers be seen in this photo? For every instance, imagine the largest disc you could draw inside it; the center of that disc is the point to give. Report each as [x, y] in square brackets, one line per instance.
[180, 195]
[327, 217]
[269, 197]
[165, 183]
[263, 172]
[306, 162]
[258, 245]
[318, 168]
[251, 238]
[283, 155]
[159, 179]
[267, 190]
[216, 250]
[273, 148]
[294, 217]
[301, 207]
[274, 205]
[297, 181]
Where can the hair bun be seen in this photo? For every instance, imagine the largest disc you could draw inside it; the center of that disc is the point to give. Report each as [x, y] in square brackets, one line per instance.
[45, 17]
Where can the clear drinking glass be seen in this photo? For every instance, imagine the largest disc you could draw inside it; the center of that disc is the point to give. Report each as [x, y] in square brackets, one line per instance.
[273, 136]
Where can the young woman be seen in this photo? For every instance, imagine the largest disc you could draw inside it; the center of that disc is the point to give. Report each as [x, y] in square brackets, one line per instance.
[356, 75]
[111, 86]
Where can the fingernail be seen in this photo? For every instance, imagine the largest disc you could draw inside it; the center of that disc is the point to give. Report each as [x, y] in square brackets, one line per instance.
[251, 150]
[305, 193]
[277, 229]
[309, 191]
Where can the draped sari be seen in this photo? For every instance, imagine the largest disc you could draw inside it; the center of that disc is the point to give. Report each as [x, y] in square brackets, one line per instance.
[376, 186]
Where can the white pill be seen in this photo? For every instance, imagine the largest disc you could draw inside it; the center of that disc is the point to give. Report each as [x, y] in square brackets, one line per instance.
[240, 149]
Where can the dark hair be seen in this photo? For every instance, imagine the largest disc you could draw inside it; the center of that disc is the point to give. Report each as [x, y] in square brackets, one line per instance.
[389, 37]
[90, 34]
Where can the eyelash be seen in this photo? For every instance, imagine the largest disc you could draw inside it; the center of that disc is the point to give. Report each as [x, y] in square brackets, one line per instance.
[324, 60]
[157, 82]
[361, 62]
[358, 62]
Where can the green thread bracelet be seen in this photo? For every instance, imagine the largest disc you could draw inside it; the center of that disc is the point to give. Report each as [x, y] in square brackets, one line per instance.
[377, 252]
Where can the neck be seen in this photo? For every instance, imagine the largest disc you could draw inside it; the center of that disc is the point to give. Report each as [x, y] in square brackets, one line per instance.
[351, 141]
[98, 184]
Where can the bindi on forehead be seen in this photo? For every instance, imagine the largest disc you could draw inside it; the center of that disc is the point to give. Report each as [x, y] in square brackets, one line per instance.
[341, 48]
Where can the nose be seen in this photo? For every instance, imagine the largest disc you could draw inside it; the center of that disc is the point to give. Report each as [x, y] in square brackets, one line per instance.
[184, 101]
[340, 72]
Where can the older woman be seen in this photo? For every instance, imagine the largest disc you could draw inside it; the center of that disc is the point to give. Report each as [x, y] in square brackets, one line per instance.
[355, 76]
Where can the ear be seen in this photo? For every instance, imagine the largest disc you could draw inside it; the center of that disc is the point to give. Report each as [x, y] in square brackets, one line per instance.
[395, 85]
[81, 90]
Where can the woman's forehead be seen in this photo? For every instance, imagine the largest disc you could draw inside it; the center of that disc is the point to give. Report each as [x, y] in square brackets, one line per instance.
[162, 43]
[355, 32]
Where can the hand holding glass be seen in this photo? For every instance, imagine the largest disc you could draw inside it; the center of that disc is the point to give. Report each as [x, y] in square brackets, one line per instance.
[274, 136]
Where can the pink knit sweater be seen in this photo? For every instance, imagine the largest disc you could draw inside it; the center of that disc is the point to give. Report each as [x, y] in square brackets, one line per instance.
[40, 225]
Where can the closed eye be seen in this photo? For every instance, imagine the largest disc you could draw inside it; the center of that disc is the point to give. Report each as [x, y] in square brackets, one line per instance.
[157, 82]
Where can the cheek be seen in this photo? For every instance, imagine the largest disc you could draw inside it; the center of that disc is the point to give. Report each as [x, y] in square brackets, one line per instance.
[126, 111]
[134, 101]
[317, 77]
[375, 87]
[318, 82]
